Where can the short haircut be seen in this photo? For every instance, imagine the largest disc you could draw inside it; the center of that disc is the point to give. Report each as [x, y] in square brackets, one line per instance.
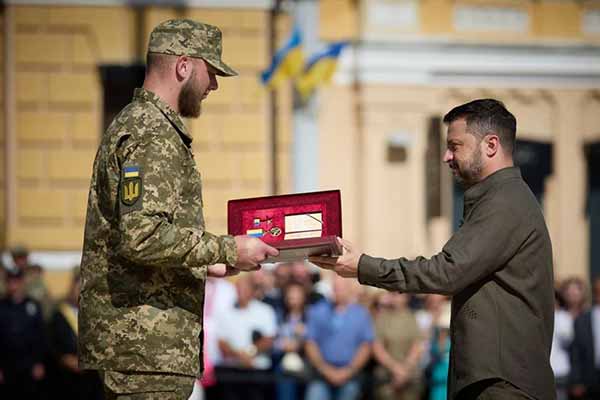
[487, 116]
[157, 61]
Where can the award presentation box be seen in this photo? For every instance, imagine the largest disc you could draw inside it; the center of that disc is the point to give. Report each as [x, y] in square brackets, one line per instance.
[298, 225]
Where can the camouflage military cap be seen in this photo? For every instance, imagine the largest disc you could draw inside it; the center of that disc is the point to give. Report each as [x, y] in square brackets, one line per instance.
[184, 37]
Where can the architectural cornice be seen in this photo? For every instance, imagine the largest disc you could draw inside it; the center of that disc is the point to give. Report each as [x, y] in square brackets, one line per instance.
[251, 4]
[452, 64]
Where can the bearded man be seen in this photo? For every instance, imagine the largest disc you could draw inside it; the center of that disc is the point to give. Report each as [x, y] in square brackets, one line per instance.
[146, 252]
[497, 266]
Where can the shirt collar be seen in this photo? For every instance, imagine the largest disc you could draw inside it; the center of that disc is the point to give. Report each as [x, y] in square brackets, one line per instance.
[175, 119]
[478, 190]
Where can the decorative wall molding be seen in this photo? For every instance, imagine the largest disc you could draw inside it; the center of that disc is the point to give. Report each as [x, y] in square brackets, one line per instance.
[450, 64]
[251, 4]
[382, 17]
[479, 18]
[591, 21]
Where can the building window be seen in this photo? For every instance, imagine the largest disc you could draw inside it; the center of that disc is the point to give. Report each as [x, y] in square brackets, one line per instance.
[118, 83]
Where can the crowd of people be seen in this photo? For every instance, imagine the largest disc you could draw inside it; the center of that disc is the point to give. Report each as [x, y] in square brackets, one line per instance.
[288, 332]
[294, 332]
[38, 337]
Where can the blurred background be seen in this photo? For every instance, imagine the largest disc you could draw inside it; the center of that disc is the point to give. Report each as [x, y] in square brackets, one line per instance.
[371, 126]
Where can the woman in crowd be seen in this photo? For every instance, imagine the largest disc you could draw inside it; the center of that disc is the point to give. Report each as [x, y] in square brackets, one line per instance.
[573, 293]
[290, 342]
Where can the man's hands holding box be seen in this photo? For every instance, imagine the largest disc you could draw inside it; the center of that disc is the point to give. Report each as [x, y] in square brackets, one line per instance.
[298, 225]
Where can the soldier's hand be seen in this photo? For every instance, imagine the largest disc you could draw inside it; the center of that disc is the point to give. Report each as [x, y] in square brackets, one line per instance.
[251, 252]
[222, 270]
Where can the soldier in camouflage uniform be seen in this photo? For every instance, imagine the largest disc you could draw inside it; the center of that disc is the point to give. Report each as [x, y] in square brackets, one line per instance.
[146, 254]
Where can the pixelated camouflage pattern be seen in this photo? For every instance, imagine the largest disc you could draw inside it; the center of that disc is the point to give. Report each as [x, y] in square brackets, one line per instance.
[144, 267]
[146, 386]
[184, 37]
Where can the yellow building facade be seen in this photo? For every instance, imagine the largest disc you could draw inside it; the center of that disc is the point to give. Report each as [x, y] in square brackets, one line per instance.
[54, 111]
[411, 62]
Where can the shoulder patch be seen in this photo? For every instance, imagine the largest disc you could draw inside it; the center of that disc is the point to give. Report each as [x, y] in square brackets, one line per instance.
[131, 186]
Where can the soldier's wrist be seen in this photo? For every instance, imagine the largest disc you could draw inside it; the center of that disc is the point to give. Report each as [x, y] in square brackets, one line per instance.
[228, 250]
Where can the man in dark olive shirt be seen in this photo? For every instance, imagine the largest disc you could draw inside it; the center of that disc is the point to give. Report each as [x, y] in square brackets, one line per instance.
[497, 266]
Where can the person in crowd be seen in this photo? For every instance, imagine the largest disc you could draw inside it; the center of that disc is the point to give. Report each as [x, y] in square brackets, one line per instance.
[300, 272]
[36, 288]
[433, 304]
[245, 336]
[69, 381]
[23, 346]
[220, 298]
[338, 344]
[397, 349]
[561, 343]
[280, 276]
[289, 343]
[573, 292]
[2, 277]
[440, 356]
[35, 285]
[585, 352]
[20, 257]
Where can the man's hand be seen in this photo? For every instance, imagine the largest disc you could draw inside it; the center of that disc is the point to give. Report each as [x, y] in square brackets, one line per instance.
[38, 372]
[337, 376]
[70, 362]
[345, 265]
[400, 375]
[251, 252]
[222, 270]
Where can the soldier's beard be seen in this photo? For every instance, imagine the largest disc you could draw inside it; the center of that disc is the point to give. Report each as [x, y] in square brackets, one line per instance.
[190, 98]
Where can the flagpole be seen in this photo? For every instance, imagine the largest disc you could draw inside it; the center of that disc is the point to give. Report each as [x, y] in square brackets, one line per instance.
[274, 187]
[359, 120]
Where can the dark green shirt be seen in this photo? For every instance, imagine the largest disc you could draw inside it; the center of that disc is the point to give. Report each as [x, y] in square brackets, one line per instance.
[498, 268]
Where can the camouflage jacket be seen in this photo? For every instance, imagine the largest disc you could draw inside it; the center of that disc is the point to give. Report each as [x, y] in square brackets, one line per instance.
[145, 252]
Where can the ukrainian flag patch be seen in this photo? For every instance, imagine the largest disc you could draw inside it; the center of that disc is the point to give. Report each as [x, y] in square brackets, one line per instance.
[131, 172]
[255, 233]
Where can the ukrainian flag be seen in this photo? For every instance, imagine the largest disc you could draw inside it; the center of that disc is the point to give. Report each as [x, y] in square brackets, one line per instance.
[286, 63]
[319, 69]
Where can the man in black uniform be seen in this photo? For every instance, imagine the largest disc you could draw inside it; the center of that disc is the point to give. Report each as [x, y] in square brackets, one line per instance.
[22, 342]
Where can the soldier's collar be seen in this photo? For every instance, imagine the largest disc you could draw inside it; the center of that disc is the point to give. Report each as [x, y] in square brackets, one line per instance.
[172, 116]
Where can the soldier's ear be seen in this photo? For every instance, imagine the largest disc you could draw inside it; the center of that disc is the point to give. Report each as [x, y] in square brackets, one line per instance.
[183, 68]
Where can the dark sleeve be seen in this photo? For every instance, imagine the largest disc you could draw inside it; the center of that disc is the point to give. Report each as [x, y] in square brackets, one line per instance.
[148, 235]
[4, 347]
[61, 338]
[577, 352]
[483, 245]
[39, 341]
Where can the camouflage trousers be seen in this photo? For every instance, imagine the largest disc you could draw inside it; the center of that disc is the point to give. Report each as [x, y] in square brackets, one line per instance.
[135, 385]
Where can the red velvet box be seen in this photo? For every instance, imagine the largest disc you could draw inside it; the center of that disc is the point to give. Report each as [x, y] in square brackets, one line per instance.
[299, 225]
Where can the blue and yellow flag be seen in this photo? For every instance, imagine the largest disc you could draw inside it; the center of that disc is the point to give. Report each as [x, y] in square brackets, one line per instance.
[287, 61]
[319, 69]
